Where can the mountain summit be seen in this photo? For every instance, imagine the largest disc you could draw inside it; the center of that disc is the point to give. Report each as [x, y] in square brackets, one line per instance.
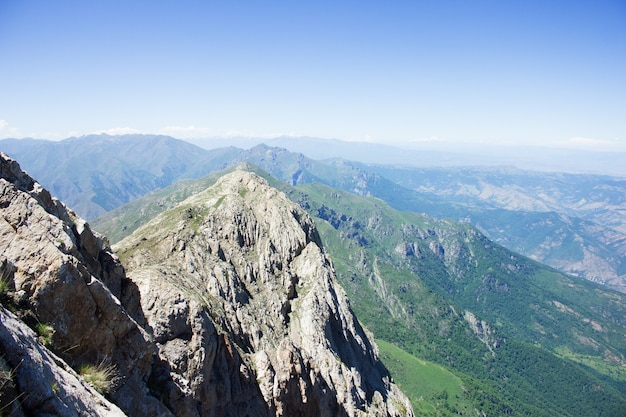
[234, 281]
[228, 306]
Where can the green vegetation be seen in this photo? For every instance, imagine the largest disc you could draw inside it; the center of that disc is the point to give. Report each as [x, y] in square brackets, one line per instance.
[432, 389]
[4, 286]
[6, 283]
[5, 373]
[608, 367]
[7, 288]
[102, 377]
[8, 391]
[45, 333]
[219, 201]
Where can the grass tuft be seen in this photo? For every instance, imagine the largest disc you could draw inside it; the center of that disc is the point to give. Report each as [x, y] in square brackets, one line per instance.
[4, 286]
[45, 333]
[101, 377]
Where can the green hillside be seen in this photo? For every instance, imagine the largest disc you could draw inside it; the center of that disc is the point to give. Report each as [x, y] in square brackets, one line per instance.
[443, 292]
[432, 389]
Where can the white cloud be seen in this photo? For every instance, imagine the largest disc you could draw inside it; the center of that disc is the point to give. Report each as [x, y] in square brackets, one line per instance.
[6, 130]
[119, 131]
[589, 144]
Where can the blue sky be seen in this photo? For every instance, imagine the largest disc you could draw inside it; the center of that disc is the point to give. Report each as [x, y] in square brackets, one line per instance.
[509, 72]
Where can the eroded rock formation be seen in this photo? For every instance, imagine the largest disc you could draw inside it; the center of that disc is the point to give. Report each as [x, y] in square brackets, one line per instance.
[243, 254]
[229, 306]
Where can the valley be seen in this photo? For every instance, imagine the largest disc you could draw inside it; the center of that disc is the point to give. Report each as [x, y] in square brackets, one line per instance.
[424, 256]
[572, 222]
[444, 293]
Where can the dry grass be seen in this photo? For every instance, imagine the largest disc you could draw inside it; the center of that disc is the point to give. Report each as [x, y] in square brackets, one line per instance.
[101, 377]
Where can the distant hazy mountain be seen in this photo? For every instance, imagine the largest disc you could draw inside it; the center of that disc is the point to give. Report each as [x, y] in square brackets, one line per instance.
[422, 155]
[571, 222]
[96, 173]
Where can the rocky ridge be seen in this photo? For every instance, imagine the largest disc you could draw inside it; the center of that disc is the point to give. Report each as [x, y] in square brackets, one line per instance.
[243, 253]
[229, 307]
[60, 274]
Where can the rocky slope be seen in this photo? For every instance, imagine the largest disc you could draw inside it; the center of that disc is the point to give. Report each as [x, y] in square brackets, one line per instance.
[229, 307]
[34, 381]
[241, 259]
[58, 273]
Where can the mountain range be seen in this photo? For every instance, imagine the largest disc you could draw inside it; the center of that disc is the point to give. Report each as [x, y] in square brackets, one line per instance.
[225, 305]
[573, 222]
[464, 325]
[434, 154]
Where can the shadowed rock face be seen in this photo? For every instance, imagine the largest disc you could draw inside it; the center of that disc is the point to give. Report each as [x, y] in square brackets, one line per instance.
[35, 381]
[63, 275]
[229, 307]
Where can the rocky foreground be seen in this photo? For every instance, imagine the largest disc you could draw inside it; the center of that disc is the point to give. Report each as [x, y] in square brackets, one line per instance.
[228, 305]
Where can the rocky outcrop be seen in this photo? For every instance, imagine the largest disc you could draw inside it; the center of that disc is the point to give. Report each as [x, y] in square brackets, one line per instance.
[239, 269]
[229, 307]
[34, 381]
[64, 276]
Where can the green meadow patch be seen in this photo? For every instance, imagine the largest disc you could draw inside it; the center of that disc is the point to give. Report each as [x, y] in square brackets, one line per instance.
[432, 389]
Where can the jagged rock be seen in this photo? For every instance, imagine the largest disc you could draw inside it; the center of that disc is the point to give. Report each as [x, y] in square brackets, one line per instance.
[483, 331]
[240, 268]
[43, 384]
[230, 307]
[65, 276]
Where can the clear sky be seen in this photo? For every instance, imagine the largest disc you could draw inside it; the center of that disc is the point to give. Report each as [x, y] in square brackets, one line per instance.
[509, 72]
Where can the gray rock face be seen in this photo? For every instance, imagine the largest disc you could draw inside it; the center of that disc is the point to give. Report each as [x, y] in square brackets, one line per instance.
[65, 276]
[46, 384]
[229, 307]
[241, 260]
